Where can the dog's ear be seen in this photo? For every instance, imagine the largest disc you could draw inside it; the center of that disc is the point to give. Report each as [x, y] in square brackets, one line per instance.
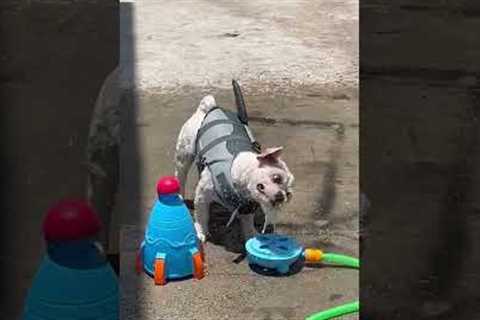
[270, 154]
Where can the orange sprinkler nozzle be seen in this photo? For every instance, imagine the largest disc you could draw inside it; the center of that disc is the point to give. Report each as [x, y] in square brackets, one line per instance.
[313, 255]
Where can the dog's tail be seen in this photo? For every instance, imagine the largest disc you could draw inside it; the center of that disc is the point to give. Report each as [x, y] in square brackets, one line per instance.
[207, 104]
[241, 107]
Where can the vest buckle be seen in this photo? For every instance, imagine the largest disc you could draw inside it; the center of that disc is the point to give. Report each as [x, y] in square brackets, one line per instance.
[257, 147]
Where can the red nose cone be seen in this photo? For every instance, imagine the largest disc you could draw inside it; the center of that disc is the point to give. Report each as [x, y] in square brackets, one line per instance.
[70, 220]
[168, 185]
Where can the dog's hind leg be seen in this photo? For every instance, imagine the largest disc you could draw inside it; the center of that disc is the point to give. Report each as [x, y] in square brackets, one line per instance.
[204, 196]
[183, 162]
[185, 151]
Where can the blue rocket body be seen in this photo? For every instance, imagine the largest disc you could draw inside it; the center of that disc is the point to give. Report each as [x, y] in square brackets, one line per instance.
[170, 235]
[73, 282]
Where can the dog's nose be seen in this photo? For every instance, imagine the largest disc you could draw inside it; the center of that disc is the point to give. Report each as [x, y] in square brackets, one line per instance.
[279, 197]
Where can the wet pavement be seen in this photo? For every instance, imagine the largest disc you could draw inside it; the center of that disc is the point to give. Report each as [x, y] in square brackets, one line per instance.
[321, 145]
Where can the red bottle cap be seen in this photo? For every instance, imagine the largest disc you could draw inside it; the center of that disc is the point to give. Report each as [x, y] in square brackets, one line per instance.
[168, 185]
[70, 220]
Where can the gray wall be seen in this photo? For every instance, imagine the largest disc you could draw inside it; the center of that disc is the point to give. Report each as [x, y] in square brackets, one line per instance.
[420, 159]
[54, 56]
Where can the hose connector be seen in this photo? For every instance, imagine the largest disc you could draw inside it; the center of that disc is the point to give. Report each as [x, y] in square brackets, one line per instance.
[313, 255]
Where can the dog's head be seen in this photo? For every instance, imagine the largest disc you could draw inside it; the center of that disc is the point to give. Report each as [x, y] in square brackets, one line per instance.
[271, 182]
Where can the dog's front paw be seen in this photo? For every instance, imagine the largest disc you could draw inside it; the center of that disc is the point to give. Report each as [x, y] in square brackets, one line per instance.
[200, 234]
[202, 237]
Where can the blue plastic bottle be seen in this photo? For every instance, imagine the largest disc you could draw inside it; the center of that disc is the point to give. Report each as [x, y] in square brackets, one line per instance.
[74, 280]
[170, 249]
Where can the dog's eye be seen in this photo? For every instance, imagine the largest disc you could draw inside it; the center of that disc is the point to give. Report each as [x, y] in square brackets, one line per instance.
[260, 187]
[277, 179]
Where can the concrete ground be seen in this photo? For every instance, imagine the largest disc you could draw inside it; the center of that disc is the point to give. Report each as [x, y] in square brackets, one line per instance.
[297, 64]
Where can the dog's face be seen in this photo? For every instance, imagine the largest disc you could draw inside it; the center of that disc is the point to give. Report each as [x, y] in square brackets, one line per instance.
[271, 182]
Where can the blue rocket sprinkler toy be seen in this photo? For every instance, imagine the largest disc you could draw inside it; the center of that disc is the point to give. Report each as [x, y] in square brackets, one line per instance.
[74, 280]
[171, 249]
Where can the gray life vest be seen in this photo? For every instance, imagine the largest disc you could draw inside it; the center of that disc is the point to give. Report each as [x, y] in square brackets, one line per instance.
[221, 137]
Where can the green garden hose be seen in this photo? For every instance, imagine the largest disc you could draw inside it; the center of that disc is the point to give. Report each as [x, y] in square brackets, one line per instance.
[340, 260]
[316, 255]
[335, 312]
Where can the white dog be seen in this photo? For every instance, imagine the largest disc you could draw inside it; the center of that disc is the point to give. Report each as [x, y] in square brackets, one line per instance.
[234, 172]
